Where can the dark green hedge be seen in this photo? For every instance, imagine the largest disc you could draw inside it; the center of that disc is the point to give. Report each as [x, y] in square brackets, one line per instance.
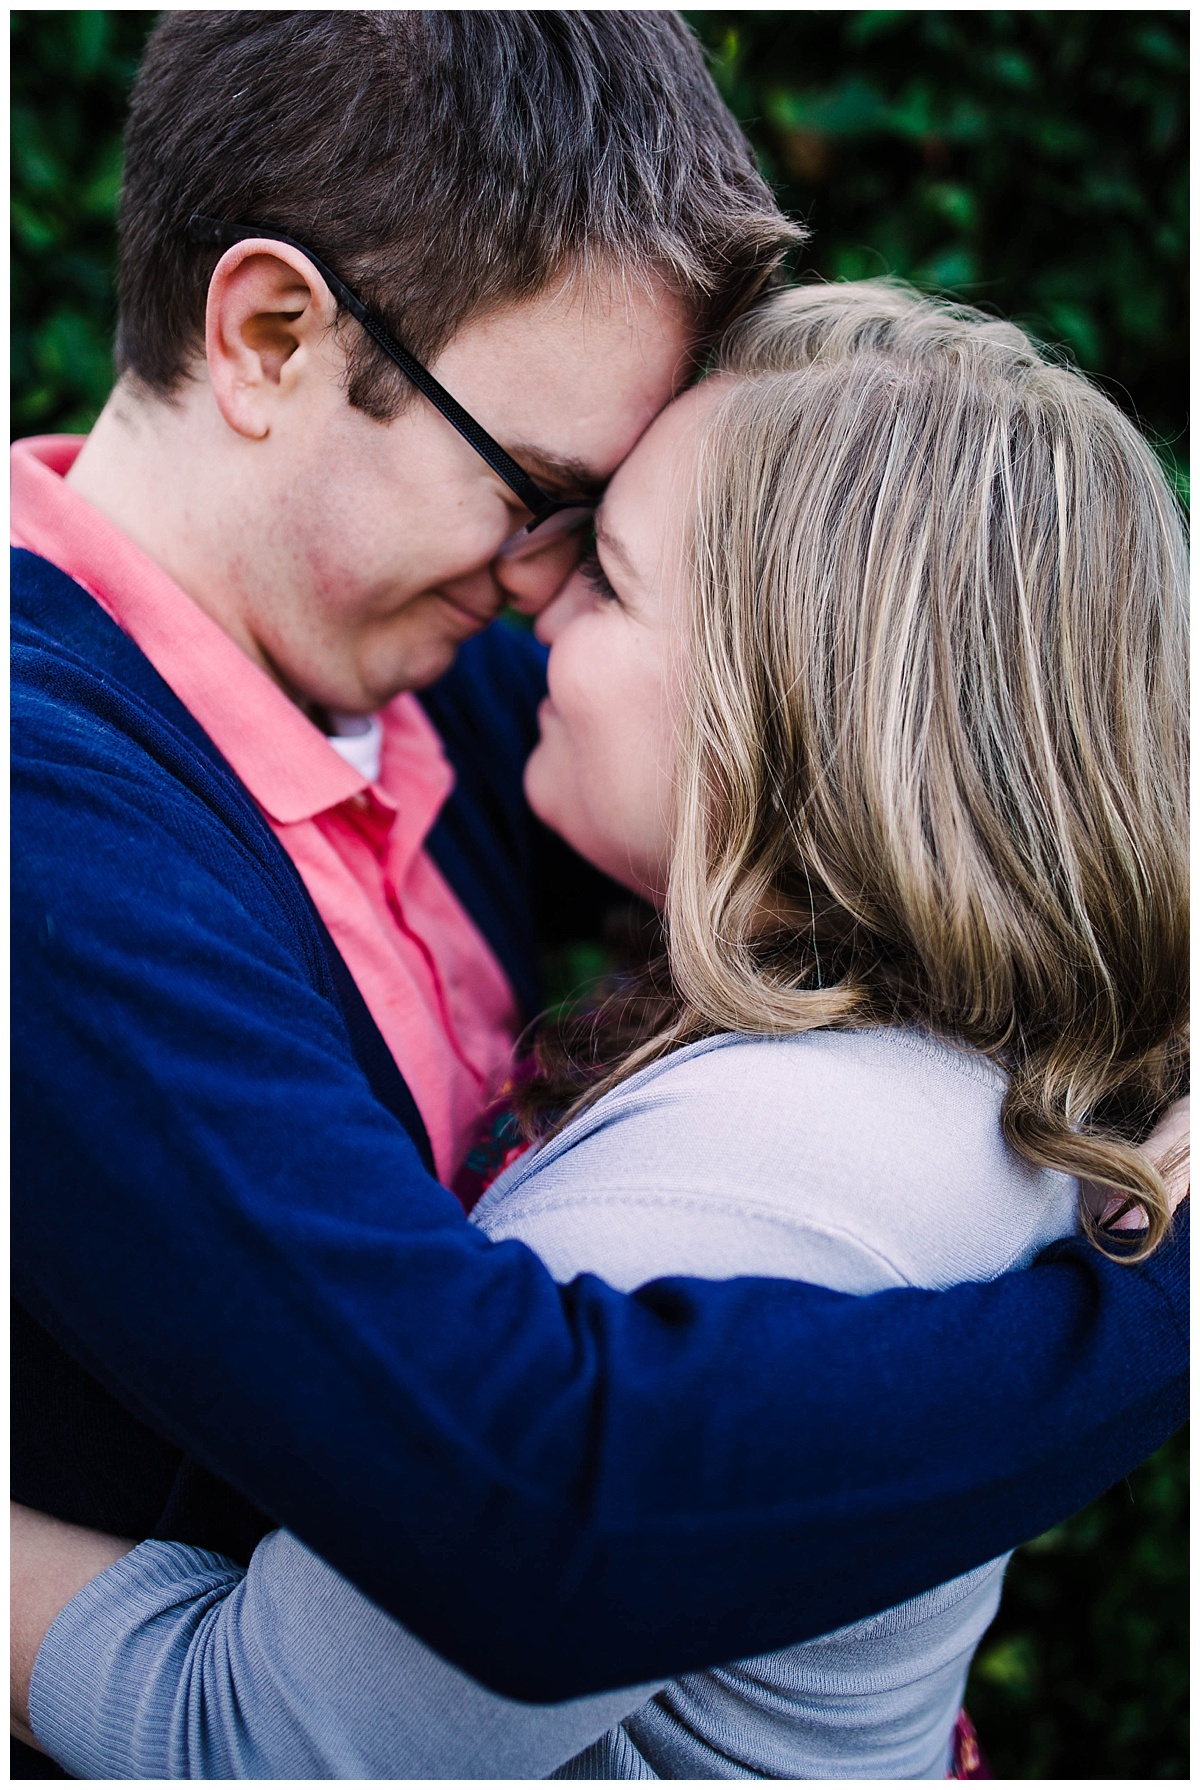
[70, 74]
[1084, 1673]
[1033, 162]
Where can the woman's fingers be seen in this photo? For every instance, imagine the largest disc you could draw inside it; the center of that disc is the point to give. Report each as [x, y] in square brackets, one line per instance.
[1169, 1149]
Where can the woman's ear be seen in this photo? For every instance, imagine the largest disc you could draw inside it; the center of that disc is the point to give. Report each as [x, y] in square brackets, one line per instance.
[268, 309]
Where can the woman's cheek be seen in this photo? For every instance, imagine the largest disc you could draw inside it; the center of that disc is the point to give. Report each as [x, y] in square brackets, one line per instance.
[539, 783]
[567, 672]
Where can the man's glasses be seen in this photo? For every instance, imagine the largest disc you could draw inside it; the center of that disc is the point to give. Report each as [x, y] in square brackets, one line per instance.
[551, 517]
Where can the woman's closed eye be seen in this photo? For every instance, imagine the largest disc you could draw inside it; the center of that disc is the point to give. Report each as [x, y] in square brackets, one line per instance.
[592, 573]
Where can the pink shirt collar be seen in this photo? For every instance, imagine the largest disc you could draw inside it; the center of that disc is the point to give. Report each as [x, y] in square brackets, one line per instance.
[285, 761]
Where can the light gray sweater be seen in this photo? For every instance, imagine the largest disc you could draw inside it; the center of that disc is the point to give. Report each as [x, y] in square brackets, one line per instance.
[858, 1160]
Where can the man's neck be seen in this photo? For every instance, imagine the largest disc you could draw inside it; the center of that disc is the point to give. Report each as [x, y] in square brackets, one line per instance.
[150, 467]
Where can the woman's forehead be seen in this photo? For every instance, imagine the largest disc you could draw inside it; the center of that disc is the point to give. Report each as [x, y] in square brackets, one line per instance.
[666, 448]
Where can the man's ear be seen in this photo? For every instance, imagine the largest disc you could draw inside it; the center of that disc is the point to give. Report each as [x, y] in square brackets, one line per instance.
[268, 310]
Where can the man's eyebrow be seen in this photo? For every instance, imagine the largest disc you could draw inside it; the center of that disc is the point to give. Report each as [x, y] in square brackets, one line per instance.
[563, 477]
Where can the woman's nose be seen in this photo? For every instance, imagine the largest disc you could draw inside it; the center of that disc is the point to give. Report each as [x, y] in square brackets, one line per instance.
[561, 609]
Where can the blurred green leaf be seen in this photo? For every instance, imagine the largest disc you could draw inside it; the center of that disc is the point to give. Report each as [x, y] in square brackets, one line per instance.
[849, 109]
[1074, 323]
[34, 230]
[91, 39]
[570, 972]
[951, 269]
[949, 200]
[867, 25]
[1014, 69]
[99, 196]
[1012, 1663]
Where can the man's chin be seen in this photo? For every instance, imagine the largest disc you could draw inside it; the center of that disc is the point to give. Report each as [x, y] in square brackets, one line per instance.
[432, 656]
[432, 663]
[420, 663]
[414, 650]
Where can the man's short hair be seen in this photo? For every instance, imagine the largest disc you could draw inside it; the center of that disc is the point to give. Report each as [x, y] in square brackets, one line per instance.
[444, 163]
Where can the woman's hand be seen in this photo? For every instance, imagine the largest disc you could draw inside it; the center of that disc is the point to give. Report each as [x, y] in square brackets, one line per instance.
[1169, 1149]
[49, 1562]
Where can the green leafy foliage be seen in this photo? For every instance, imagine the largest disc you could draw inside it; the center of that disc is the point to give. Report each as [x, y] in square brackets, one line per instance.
[71, 73]
[1084, 1673]
[1032, 162]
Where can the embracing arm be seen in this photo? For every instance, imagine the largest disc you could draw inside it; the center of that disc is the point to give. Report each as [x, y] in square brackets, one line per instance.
[561, 1489]
[175, 1663]
[49, 1562]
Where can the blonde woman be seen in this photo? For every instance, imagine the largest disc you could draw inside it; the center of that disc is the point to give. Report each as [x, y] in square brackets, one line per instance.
[874, 685]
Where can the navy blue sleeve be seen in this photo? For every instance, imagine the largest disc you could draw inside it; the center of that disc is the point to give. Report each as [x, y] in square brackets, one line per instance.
[561, 1489]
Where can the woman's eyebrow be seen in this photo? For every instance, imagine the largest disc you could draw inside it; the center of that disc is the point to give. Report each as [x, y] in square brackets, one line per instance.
[612, 545]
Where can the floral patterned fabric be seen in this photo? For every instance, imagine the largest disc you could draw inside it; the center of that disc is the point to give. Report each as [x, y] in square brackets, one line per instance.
[968, 1760]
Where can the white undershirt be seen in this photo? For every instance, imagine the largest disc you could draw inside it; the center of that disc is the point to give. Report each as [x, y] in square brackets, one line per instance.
[359, 740]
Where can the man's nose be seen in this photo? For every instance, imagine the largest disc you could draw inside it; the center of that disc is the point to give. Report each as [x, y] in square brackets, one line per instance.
[535, 579]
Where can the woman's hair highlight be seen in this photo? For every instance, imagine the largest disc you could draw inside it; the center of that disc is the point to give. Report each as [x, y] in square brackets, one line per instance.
[932, 762]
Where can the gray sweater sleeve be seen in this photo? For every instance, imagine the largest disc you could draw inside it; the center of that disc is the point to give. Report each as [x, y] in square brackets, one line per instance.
[174, 1663]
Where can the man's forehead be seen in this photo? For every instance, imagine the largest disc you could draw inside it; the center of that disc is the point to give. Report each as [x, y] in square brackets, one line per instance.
[572, 376]
[574, 474]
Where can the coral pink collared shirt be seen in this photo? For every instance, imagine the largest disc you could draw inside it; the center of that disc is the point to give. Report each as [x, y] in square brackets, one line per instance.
[436, 992]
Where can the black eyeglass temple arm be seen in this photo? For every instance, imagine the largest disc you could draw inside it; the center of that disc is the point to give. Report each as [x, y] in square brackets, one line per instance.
[215, 232]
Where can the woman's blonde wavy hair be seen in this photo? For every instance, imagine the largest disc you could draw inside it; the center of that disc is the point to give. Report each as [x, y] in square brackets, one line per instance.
[933, 759]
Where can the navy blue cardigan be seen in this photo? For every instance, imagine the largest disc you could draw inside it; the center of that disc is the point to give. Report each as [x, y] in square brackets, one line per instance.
[223, 1219]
